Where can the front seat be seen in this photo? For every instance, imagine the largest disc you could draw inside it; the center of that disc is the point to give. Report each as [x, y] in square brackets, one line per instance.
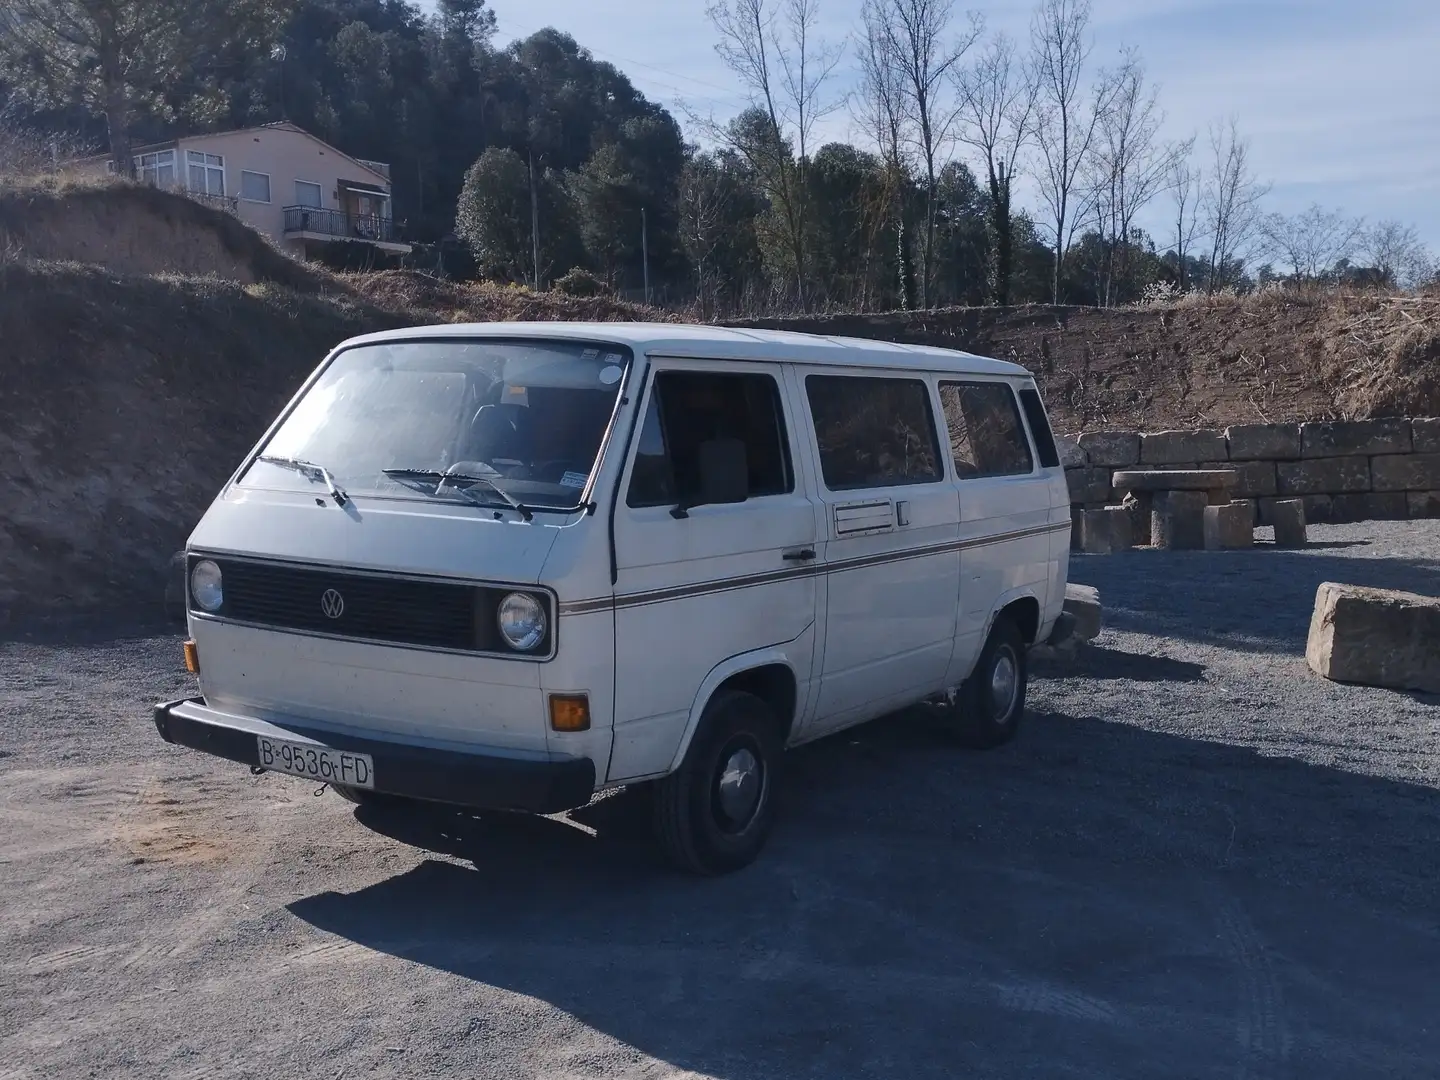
[500, 433]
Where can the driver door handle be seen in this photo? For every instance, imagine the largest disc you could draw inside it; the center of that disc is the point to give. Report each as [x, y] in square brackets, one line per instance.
[799, 555]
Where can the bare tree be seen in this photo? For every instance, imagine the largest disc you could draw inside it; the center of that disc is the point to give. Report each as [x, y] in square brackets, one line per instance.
[771, 45]
[704, 206]
[1184, 181]
[997, 113]
[1399, 255]
[1313, 241]
[1068, 115]
[879, 107]
[1130, 166]
[917, 34]
[1230, 205]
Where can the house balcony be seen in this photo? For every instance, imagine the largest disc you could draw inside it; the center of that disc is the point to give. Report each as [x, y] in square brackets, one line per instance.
[328, 226]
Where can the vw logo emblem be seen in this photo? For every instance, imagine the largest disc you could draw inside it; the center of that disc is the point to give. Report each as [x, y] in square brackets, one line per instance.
[332, 604]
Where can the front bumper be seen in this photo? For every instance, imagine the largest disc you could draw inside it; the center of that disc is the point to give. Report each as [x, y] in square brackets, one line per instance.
[458, 777]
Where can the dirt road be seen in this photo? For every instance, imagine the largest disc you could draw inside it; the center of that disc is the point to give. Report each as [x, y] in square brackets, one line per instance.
[1197, 860]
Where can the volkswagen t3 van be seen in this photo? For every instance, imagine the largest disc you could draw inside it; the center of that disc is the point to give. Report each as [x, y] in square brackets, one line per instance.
[510, 566]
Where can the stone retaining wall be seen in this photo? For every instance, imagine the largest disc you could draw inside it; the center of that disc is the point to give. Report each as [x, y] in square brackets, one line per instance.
[1345, 470]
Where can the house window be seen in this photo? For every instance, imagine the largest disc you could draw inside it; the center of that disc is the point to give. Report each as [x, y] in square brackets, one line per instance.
[873, 432]
[254, 186]
[157, 169]
[207, 172]
[307, 194]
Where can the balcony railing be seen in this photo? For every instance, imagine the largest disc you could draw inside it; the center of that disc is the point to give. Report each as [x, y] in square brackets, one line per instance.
[340, 225]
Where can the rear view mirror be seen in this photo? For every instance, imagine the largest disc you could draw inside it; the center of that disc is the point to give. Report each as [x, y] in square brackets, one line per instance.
[724, 475]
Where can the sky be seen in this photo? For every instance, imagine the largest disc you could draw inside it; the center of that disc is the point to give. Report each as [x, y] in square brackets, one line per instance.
[1340, 99]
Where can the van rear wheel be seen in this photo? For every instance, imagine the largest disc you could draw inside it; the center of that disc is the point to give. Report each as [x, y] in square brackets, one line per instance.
[714, 814]
[992, 700]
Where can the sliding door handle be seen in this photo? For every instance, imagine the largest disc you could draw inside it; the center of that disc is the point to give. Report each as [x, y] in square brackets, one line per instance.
[800, 555]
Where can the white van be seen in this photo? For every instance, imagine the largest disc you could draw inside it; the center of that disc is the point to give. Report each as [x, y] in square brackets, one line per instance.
[508, 566]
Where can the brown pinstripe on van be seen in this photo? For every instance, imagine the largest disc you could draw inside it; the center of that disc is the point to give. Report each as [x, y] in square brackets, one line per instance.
[750, 581]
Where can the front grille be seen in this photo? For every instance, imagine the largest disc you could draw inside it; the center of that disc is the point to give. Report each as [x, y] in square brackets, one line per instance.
[431, 614]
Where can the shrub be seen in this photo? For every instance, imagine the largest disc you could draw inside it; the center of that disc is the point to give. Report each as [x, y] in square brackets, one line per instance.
[579, 282]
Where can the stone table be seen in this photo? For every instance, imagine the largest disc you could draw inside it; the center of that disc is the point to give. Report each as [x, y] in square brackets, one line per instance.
[1168, 505]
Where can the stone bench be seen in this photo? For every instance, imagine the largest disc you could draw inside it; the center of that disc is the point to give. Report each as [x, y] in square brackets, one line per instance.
[1375, 637]
[1168, 505]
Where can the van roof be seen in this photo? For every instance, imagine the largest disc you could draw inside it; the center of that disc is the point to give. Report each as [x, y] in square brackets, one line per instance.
[720, 342]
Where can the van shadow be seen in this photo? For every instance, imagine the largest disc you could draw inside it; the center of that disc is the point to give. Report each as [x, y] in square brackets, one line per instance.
[924, 911]
[1258, 600]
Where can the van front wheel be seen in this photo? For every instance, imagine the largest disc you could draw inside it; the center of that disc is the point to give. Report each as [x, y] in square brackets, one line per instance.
[714, 813]
[992, 699]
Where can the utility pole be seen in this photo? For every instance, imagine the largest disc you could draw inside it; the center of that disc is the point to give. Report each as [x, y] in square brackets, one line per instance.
[645, 252]
[534, 223]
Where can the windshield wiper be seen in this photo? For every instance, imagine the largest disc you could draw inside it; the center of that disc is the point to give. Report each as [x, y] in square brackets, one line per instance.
[310, 471]
[442, 478]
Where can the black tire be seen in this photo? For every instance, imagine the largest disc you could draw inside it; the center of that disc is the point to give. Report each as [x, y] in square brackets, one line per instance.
[705, 824]
[990, 704]
[358, 796]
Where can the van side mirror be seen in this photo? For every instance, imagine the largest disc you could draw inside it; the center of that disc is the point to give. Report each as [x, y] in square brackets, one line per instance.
[724, 475]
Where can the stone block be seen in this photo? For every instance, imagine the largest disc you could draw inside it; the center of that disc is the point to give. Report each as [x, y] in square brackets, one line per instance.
[1342, 438]
[1423, 504]
[1406, 472]
[1425, 435]
[1323, 476]
[1375, 637]
[1088, 485]
[1137, 508]
[1169, 447]
[1229, 527]
[1083, 602]
[1252, 478]
[1177, 520]
[1288, 518]
[1319, 509]
[1263, 442]
[1094, 530]
[1253, 506]
[1387, 506]
[1111, 449]
[1122, 531]
[1072, 455]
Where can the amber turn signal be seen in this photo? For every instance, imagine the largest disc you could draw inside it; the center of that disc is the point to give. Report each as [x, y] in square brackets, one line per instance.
[569, 712]
[192, 658]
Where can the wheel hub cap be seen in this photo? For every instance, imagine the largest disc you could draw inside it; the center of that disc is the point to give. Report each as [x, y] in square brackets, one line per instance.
[739, 787]
[1003, 682]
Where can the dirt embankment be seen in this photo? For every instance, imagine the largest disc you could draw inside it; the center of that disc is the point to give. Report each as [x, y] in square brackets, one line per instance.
[147, 340]
[1276, 356]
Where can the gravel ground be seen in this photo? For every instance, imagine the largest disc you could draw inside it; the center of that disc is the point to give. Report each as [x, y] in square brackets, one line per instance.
[1198, 859]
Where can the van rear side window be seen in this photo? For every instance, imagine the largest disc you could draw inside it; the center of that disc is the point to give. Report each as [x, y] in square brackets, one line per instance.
[873, 432]
[1040, 428]
[689, 407]
[986, 436]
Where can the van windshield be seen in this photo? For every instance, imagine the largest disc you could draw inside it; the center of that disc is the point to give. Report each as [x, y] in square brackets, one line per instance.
[526, 417]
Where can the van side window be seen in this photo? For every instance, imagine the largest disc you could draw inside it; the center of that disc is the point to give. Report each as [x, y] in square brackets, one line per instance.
[1040, 428]
[688, 408]
[873, 432]
[986, 435]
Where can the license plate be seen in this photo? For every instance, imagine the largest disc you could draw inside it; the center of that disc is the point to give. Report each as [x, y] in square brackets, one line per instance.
[317, 762]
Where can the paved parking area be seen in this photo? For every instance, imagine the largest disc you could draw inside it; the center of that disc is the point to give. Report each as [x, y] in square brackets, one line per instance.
[1198, 859]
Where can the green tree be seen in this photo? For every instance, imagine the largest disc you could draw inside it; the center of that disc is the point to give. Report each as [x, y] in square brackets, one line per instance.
[120, 56]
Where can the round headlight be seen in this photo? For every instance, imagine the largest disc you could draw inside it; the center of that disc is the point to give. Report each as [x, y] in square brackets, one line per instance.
[205, 586]
[522, 621]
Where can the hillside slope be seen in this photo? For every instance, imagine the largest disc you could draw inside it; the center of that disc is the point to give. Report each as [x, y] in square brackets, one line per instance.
[127, 397]
[1271, 357]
